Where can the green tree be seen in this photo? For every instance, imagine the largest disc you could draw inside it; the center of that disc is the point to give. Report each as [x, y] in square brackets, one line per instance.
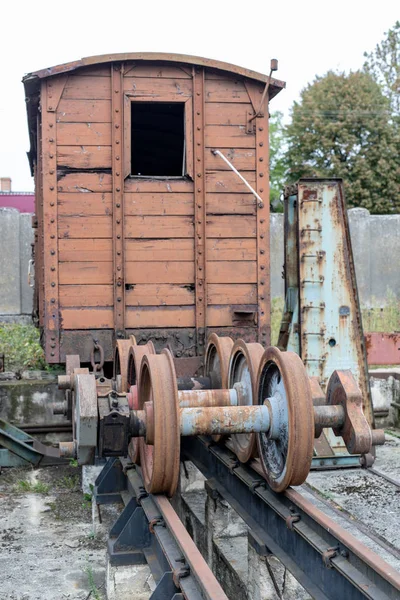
[383, 64]
[277, 147]
[341, 127]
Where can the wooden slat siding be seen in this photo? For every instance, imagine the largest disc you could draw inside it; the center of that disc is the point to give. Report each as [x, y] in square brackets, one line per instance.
[84, 157]
[225, 90]
[224, 316]
[162, 71]
[227, 182]
[157, 227]
[153, 88]
[243, 159]
[85, 204]
[231, 249]
[231, 204]
[84, 134]
[231, 272]
[224, 113]
[225, 293]
[159, 272]
[84, 111]
[51, 91]
[172, 186]
[177, 250]
[229, 136]
[95, 71]
[159, 204]
[86, 250]
[86, 273]
[231, 226]
[85, 227]
[160, 295]
[84, 182]
[87, 88]
[86, 295]
[102, 318]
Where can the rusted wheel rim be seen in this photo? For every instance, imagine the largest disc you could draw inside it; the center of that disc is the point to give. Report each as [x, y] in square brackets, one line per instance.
[160, 461]
[243, 368]
[136, 354]
[121, 357]
[286, 460]
[218, 354]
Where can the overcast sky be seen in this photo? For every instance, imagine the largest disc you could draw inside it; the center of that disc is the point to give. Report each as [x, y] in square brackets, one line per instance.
[308, 38]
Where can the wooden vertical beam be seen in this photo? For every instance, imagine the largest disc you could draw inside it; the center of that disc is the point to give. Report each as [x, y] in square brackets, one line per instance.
[118, 204]
[200, 207]
[261, 125]
[51, 92]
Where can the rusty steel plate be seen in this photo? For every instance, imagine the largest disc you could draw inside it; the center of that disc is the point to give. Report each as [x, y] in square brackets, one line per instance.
[286, 459]
[121, 357]
[218, 354]
[136, 354]
[243, 369]
[158, 395]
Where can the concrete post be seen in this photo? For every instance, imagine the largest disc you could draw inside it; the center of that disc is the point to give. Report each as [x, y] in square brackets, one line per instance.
[25, 241]
[10, 284]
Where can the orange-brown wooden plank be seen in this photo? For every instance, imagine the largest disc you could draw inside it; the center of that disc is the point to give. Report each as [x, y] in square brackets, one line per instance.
[225, 316]
[159, 227]
[84, 111]
[137, 184]
[231, 249]
[225, 90]
[153, 88]
[225, 293]
[228, 182]
[88, 88]
[231, 272]
[158, 70]
[95, 71]
[159, 204]
[229, 136]
[181, 250]
[231, 226]
[85, 204]
[86, 250]
[243, 159]
[231, 204]
[159, 272]
[166, 294]
[171, 316]
[84, 157]
[87, 318]
[85, 273]
[85, 182]
[86, 295]
[224, 113]
[85, 227]
[84, 134]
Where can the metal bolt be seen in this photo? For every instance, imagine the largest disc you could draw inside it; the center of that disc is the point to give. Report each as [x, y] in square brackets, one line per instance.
[117, 158]
[52, 187]
[261, 144]
[261, 174]
[118, 221]
[262, 267]
[261, 159]
[52, 252]
[117, 127]
[52, 237]
[50, 108]
[51, 139]
[117, 173]
[51, 125]
[262, 251]
[51, 220]
[118, 237]
[117, 141]
[261, 129]
[262, 220]
[51, 353]
[261, 205]
[53, 300]
[53, 284]
[52, 269]
[118, 205]
[119, 299]
[51, 203]
[261, 190]
[51, 155]
[51, 171]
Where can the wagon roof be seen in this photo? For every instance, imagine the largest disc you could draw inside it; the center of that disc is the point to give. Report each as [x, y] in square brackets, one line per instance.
[275, 85]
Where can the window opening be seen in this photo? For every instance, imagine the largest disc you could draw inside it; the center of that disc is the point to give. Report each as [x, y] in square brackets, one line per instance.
[158, 139]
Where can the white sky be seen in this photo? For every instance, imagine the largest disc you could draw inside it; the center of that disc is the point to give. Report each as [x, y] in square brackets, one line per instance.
[308, 37]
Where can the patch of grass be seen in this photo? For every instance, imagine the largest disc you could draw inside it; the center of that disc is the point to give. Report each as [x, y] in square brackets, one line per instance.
[38, 487]
[73, 462]
[94, 591]
[385, 318]
[277, 305]
[21, 347]
[69, 481]
[395, 434]
[87, 501]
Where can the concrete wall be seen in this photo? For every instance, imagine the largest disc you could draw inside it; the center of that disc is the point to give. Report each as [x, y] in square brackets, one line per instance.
[376, 248]
[16, 236]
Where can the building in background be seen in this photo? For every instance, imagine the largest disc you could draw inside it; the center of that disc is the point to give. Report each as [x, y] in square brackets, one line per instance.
[22, 201]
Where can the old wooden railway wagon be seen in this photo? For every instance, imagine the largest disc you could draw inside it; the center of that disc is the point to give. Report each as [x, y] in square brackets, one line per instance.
[141, 228]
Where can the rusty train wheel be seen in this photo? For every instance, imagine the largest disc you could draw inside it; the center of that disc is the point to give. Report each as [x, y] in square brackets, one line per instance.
[218, 354]
[243, 368]
[136, 354]
[286, 459]
[121, 357]
[158, 395]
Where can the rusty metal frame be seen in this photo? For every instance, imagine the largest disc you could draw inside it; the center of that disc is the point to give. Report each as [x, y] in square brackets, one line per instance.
[117, 148]
[52, 89]
[200, 232]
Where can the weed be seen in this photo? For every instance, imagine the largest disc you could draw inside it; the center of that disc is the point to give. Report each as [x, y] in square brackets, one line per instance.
[94, 592]
[395, 434]
[21, 347]
[73, 462]
[87, 501]
[69, 481]
[38, 487]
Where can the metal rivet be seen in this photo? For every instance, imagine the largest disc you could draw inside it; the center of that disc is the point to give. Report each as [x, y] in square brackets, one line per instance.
[262, 236]
[261, 129]
[51, 203]
[51, 125]
[261, 205]
[118, 189]
[51, 155]
[119, 283]
[117, 141]
[53, 339]
[51, 220]
[262, 267]
[200, 268]
[52, 187]
[52, 252]
[117, 158]
[52, 269]
[117, 174]
[262, 312]
[118, 268]
[52, 237]
[261, 174]
[118, 205]
[51, 140]
[261, 159]
[261, 190]
[53, 300]
[262, 251]
[198, 112]
[118, 237]
[262, 220]
[118, 253]
[117, 110]
[261, 297]
[52, 354]
[199, 189]
[198, 174]
[53, 284]
[116, 91]
[50, 107]
[51, 171]
[199, 129]
[118, 221]
[261, 144]
[262, 282]
[117, 127]
[119, 299]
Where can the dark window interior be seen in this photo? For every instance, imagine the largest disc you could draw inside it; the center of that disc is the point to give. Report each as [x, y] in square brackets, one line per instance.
[157, 139]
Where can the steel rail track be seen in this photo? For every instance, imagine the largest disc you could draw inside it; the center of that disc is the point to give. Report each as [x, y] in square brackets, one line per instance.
[379, 473]
[328, 561]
